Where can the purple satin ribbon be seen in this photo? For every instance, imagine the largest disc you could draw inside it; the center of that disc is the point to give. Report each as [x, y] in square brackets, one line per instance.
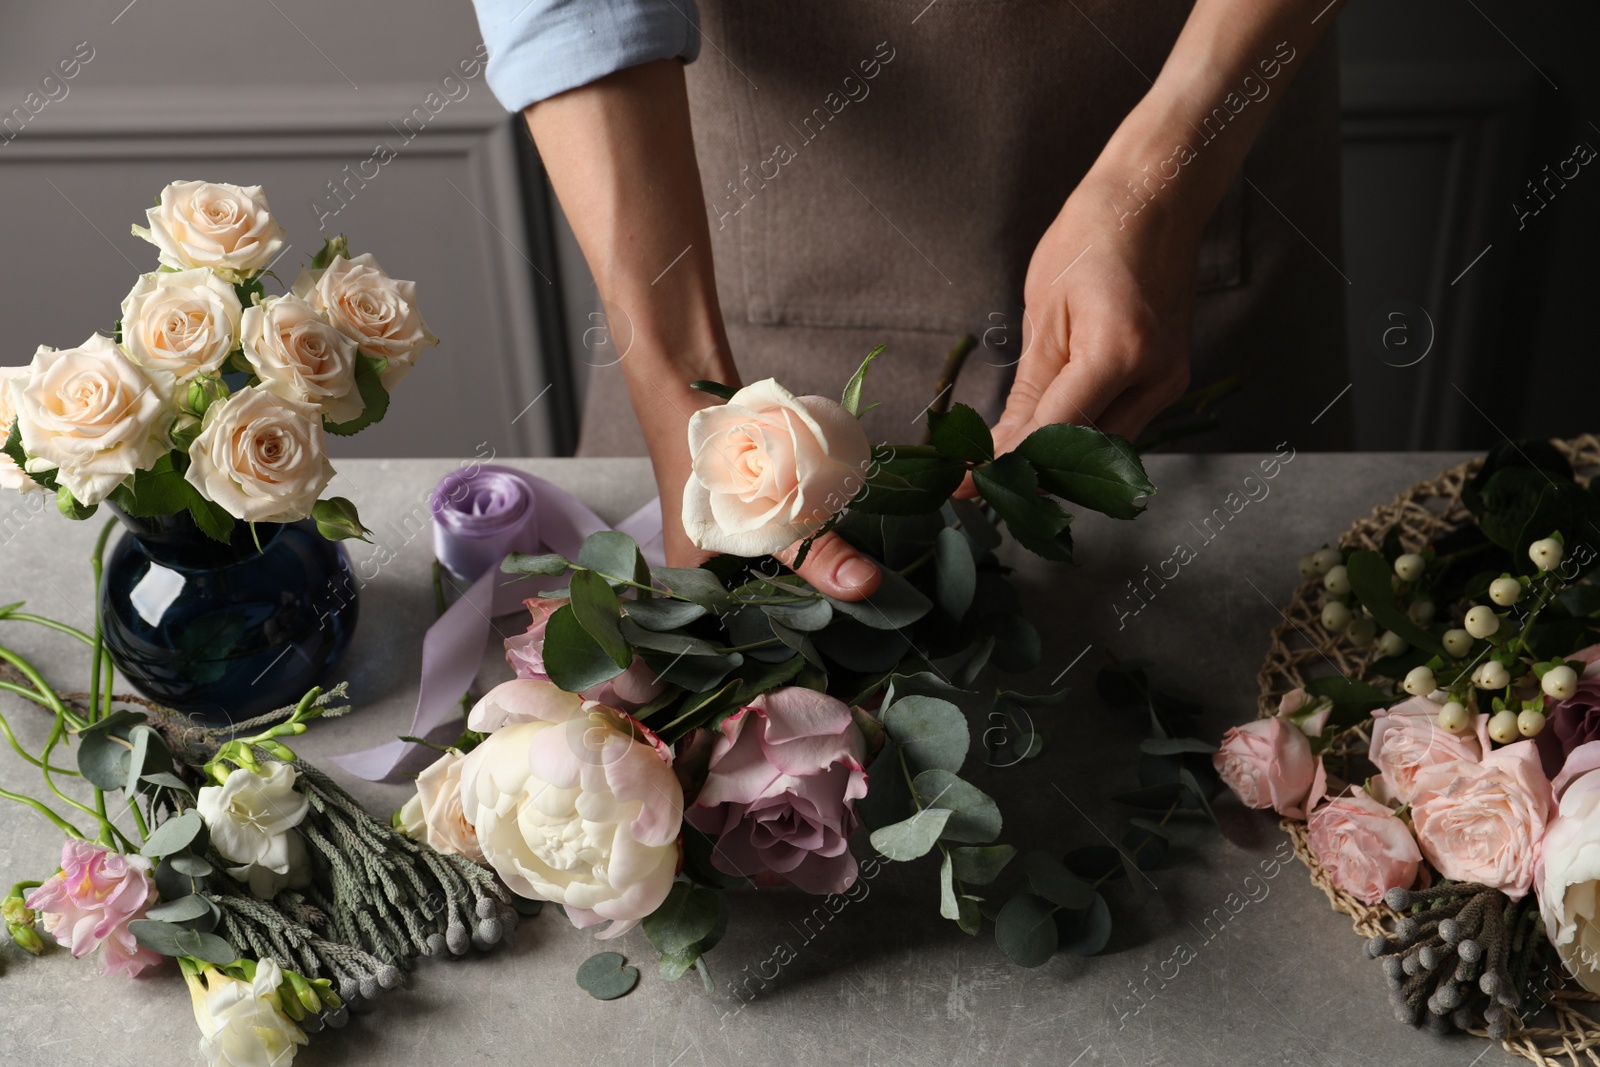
[480, 515]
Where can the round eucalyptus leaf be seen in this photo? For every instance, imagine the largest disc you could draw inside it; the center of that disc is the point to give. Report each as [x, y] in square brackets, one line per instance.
[1025, 930]
[932, 731]
[607, 976]
[975, 817]
[174, 835]
[1085, 932]
[913, 837]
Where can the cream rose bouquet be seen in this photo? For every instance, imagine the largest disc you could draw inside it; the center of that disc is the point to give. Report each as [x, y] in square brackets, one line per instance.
[1458, 785]
[210, 397]
[675, 733]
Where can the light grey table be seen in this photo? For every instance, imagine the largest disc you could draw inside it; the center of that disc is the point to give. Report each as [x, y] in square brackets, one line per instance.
[1275, 976]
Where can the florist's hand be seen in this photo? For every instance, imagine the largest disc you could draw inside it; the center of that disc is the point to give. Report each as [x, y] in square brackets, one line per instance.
[1109, 297]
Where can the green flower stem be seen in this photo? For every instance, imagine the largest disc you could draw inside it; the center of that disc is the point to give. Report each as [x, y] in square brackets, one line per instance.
[52, 624]
[97, 562]
[16, 746]
[43, 809]
[138, 819]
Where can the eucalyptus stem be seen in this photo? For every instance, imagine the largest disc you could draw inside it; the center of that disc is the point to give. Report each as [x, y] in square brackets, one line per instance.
[138, 819]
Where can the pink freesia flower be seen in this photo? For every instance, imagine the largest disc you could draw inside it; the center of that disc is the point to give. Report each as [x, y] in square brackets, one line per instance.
[628, 691]
[1483, 822]
[1407, 739]
[1365, 848]
[88, 904]
[1268, 764]
[780, 794]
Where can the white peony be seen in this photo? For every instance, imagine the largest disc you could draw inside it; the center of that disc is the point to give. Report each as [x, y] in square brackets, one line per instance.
[93, 414]
[262, 457]
[376, 311]
[573, 802]
[184, 322]
[11, 475]
[242, 1024]
[228, 228]
[251, 818]
[769, 469]
[298, 356]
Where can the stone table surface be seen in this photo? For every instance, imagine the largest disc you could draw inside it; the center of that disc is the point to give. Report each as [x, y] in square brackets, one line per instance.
[1232, 958]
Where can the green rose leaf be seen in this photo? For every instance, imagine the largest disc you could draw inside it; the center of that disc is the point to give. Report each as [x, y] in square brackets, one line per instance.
[574, 660]
[961, 433]
[908, 480]
[369, 382]
[1370, 581]
[932, 732]
[981, 865]
[1098, 471]
[716, 389]
[600, 614]
[1011, 487]
[975, 817]
[912, 838]
[338, 520]
[1026, 930]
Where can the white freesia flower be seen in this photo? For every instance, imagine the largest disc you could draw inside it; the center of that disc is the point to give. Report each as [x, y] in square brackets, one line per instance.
[92, 414]
[376, 311]
[11, 475]
[769, 469]
[228, 228]
[242, 1024]
[251, 818]
[184, 322]
[298, 356]
[262, 457]
[573, 802]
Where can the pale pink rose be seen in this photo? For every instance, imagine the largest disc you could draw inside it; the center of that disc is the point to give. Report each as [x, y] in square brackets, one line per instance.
[1407, 739]
[439, 796]
[1363, 846]
[628, 691]
[573, 802]
[1268, 764]
[88, 904]
[1483, 822]
[769, 469]
[1580, 761]
[781, 792]
[1295, 701]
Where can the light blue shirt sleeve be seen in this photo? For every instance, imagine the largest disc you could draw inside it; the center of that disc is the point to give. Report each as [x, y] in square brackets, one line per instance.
[538, 48]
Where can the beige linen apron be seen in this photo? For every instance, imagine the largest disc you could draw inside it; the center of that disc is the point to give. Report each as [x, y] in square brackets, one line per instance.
[879, 172]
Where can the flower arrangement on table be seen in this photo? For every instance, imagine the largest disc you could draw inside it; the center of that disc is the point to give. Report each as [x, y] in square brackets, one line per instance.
[211, 398]
[675, 732]
[1458, 784]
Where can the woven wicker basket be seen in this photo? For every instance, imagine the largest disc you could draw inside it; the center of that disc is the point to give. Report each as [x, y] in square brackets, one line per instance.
[1568, 1033]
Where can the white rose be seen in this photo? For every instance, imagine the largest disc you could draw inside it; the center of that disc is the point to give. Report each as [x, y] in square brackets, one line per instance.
[11, 475]
[228, 228]
[242, 1024]
[297, 355]
[262, 457]
[438, 798]
[251, 818]
[409, 821]
[769, 469]
[1569, 882]
[185, 322]
[573, 802]
[376, 311]
[93, 414]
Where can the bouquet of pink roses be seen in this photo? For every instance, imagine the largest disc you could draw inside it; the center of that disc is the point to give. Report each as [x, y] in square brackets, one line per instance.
[1471, 807]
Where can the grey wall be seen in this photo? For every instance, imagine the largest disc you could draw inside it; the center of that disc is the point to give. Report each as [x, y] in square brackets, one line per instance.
[286, 94]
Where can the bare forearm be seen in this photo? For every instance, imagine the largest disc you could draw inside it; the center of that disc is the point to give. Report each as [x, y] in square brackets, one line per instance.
[1179, 149]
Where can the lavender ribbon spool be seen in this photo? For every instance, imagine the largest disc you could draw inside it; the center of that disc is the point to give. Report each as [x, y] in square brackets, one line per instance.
[480, 515]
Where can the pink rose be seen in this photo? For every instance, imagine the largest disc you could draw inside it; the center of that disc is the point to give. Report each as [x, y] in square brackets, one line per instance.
[88, 904]
[780, 794]
[1365, 848]
[628, 691]
[1482, 822]
[1407, 739]
[1268, 764]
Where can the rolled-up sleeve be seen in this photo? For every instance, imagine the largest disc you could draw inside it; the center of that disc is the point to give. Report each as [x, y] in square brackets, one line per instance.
[538, 48]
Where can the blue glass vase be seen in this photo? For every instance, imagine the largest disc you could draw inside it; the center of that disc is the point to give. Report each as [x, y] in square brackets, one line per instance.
[225, 632]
